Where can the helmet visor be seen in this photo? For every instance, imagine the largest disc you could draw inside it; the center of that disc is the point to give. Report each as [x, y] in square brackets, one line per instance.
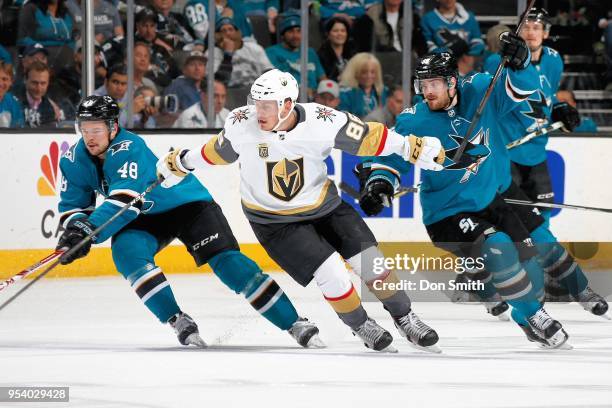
[433, 85]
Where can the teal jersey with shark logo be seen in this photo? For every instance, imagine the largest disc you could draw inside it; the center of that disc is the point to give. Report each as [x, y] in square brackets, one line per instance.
[533, 113]
[470, 184]
[128, 169]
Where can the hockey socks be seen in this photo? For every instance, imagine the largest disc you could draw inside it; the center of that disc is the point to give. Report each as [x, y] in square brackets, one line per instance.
[349, 309]
[333, 279]
[511, 277]
[395, 301]
[154, 290]
[242, 275]
[564, 273]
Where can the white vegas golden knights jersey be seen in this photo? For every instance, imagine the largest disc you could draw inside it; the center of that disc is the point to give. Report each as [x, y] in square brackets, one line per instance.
[283, 174]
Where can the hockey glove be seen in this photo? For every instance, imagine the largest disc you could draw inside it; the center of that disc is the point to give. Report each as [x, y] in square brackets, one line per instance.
[172, 169]
[562, 112]
[425, 152]
[76, 231]
[376, 190]
[515, 50]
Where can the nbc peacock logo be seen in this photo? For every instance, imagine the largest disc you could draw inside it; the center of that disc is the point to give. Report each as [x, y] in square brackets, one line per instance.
[49, 166]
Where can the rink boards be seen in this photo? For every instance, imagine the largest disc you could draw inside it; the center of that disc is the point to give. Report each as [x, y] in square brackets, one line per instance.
[580, 170]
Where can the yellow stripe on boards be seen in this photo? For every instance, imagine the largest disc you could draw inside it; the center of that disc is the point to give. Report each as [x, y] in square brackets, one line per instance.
[99, 262]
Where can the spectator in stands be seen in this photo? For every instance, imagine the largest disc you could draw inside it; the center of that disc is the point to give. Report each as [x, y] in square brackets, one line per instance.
[267, 8]
[493, 44]
[142, 65]
[237, 63]
[606, 25]
[65, 88]
[337, 48]
[450, 25]
[170, 24]
[145, 119]
[187, 86]
[31, 53]
[388, 114]
[362, 89]
[11, 110]
[196, 117]
[163, 64]
[388, 18]
[196, 13]
[286, 56]
[354, 11]
[107, 22]
[328, 93]
[116, 86]
[5, 56]
[45, 21]
[586, 124]
[39, 110]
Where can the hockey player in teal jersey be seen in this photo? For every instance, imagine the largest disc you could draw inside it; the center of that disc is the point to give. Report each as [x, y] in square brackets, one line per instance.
[523, 172]
[118, 165]
[462, 210]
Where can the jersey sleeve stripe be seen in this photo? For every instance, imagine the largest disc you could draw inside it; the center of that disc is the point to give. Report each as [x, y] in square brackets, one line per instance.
[120, 204]
[68, 215]
[516, 94]
[374, 142]
[219, 150]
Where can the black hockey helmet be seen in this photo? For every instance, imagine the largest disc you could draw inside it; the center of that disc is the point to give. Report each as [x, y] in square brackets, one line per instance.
[540, 15]
[97, 108]
[435, 65]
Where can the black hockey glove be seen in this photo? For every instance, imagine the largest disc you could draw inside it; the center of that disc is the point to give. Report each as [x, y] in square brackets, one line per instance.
[374, 192]
[457, 45]
[76, 231]
[567, 114]
[515, 50]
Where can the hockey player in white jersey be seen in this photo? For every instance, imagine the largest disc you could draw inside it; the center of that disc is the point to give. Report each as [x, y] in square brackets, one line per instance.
[294, 208]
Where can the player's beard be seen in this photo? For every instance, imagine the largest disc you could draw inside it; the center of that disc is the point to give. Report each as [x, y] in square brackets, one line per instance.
[438, 103]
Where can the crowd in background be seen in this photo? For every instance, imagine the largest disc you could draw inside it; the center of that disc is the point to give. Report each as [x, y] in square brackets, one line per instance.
[354, 63]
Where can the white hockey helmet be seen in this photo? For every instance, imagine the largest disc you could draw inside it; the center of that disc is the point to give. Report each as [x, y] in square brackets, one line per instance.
[275, 85]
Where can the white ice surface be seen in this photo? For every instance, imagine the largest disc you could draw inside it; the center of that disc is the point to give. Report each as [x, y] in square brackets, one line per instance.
[95, 336]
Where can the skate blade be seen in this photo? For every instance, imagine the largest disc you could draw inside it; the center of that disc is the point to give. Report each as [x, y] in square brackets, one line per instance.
[503, 317]
[605, 316]
[563, 345]
[194, 339]
[315, 342]
[434, 348]
[388, 349]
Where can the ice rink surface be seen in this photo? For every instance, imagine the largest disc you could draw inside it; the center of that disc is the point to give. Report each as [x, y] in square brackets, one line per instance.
[95, 336]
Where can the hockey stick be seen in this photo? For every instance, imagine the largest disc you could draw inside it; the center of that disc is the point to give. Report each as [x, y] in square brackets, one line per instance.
[348, 189]
[487, 94]
[553, 205]
[533, 135]
[83, 242]
[45, 261]
[405, 190]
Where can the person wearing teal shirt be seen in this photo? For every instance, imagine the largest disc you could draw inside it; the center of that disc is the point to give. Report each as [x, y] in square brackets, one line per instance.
[362, 88]
[286, 56]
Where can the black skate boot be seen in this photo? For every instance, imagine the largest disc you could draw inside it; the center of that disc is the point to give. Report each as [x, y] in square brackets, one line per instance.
[417, 333]
[374, 336]
[186, 330]
[306, 333]
[592, 302]
[549, 332]
[498, 309]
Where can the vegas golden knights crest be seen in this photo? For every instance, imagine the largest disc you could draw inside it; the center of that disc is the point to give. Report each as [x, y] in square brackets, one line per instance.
[285, 178]
[263, 150]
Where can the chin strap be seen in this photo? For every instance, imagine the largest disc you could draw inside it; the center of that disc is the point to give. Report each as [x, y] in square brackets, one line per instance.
[281, 120]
